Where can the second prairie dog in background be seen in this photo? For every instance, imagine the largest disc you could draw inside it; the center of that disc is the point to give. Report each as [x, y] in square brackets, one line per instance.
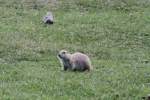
[48, 18]
[75, 62]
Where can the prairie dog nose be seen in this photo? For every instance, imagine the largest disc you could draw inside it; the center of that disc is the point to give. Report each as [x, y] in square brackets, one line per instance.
[59, 55]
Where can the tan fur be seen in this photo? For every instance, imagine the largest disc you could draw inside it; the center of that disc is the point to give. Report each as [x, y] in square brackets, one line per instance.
[76, 61]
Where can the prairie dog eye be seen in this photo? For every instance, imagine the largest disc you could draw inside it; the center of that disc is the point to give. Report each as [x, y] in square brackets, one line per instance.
[64, 52]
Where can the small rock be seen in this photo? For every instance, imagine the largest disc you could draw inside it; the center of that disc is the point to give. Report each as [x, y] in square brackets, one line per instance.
[145, 61]
[146, 34]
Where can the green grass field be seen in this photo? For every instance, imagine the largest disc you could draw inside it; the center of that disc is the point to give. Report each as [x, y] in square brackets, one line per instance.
[114, 33]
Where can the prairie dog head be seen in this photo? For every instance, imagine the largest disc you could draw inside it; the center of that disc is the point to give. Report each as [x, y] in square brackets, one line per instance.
[64, 58]
[64, 55]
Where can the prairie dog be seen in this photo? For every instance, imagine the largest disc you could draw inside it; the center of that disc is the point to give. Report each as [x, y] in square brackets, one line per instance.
[75, 62]
[48, 18]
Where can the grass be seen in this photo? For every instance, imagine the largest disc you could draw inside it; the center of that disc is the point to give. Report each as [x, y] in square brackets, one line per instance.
[114, 34]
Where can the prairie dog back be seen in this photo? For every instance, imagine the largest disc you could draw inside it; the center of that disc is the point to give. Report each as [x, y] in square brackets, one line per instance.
[81, 61]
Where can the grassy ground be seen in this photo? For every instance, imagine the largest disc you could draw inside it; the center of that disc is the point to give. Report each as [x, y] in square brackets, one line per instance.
[115, 34]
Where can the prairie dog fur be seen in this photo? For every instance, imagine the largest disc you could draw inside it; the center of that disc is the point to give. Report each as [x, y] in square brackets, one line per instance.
[75, 62]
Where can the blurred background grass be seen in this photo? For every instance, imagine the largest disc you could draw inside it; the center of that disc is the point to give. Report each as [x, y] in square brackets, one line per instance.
[114, 33]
